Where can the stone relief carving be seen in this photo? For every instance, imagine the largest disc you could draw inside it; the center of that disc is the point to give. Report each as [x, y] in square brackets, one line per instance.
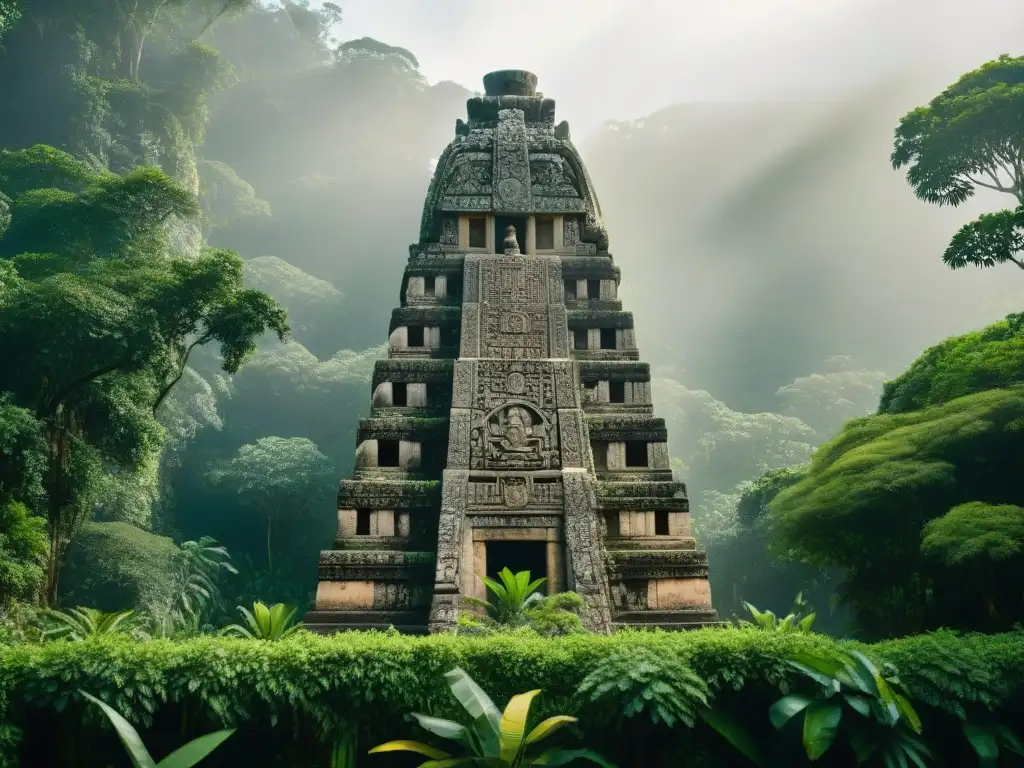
[514, 308]
[514, 491]
[470, 174]
[551, 176]
[570, 231]
[515, 436]
[450, 231]
[530, 381]
[511, 163]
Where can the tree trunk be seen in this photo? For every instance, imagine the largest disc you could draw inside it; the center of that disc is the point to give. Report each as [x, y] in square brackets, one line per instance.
[56, 484]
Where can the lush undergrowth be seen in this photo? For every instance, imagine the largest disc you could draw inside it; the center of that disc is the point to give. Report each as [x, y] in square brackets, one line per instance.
[291, 699]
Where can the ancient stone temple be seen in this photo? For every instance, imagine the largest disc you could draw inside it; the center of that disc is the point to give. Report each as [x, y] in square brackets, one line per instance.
[511, 422]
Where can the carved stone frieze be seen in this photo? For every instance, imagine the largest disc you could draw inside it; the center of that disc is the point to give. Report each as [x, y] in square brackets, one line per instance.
[449, 231]
[512, 193]
[570, 231]
[551, 176]
[507, 491]
[448, 574]
[462, 383]
[514, 308]
[584, 560]
[471, 279]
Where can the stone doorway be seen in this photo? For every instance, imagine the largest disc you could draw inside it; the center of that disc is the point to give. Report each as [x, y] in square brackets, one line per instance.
[518, 556]
[500, 223]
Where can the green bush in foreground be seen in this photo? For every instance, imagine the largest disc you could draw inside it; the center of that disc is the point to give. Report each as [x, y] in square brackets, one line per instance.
[293, 698]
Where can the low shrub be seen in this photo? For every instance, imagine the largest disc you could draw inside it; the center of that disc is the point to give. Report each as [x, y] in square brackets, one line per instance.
[292, 699]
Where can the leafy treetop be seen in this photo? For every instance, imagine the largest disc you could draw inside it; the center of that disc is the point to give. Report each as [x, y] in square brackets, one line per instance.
[970, 135]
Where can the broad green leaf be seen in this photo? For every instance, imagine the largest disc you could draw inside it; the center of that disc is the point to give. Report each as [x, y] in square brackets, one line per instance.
[983, 740]
[821, 724]
[407, 745]
[446, 729]
[826, 681]
[783, 710]
[473, 699]
[731, 730]
[449, 762]
[867, 676]
[137, 751]
[908, 712]
[858, 703]
[513, 724]
[196, 750]
[549, 726]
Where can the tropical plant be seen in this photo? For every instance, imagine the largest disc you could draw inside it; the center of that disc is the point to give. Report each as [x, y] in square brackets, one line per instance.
[986, 737]
[549, 616]
[795, 621]
[199, 565]
[658, 689]
[497, 739]
[183, 757]
[343, 751]
[265, 623]
[512, 596]
[80, 623]
[881, 722]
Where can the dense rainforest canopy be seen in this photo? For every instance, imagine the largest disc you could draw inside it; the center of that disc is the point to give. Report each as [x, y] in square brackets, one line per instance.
[162, 392]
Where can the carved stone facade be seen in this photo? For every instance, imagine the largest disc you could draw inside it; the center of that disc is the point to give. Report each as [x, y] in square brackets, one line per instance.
[512, 423]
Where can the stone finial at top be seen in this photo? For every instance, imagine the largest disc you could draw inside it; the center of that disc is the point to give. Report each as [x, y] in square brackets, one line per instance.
[510, 82]
[511, 244]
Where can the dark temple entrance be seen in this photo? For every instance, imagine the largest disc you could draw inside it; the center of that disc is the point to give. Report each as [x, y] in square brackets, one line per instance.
[500, 223]
[518, 556]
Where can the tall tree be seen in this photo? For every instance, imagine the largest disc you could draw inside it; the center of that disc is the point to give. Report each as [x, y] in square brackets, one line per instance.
[970, 137]
[99, 322]
[277, 476]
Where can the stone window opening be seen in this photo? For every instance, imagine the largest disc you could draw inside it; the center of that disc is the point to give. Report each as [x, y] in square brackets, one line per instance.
[545, 233]
[593, 289]
[661, 523]
[429, 286]
[363, 522]
[387, 453]
[415, 336]
[570, 289]
[477, 231]
[636, 453]
[607, 338]
[579, 338]
[616, 392]
[611, 522]
[399, 394]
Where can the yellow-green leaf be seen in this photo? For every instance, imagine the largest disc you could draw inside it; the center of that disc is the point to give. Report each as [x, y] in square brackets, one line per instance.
[549, 726]
[513, 724]
[407, 745]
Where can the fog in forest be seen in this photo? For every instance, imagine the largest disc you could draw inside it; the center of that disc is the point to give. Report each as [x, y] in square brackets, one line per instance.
[778, 268]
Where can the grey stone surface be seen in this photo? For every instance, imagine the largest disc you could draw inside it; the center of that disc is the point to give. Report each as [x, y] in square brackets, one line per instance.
[499, 428]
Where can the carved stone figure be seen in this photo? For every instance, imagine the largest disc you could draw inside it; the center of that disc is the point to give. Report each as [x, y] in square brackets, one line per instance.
[499, 425]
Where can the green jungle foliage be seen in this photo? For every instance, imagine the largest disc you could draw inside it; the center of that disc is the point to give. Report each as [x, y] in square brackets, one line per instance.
[293, 699]
[494, 737]
[916, 505]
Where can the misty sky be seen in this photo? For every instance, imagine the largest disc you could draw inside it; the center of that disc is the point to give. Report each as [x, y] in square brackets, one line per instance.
[622, 59]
